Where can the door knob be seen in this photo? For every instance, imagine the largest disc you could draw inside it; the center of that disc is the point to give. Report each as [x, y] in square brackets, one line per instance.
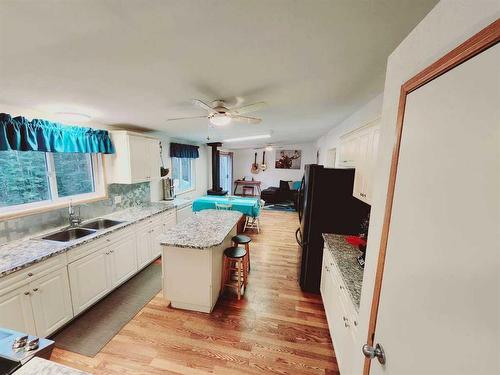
[372, 352]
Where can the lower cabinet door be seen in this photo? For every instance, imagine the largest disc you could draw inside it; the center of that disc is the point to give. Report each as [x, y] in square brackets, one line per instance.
[123, 260]
[155, 232]
[16, 312]
[89, 279]
[51, 302]
[143, 247]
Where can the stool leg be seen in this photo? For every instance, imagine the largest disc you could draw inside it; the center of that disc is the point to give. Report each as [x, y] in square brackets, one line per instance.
[245, 271]
[238, 279]
[247, 248]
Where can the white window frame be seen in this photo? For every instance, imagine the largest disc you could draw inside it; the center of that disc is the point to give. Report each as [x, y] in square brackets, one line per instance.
[193, 177]
[98, 193]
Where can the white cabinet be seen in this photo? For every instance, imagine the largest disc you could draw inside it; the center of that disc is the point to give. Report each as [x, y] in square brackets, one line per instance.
[340, 313]
[137, 158]
[90, 279]
[51, 302]
[122, 260]
[358, 149]
[113, 261]
[16, 312]
[148, 246]
[38, 304]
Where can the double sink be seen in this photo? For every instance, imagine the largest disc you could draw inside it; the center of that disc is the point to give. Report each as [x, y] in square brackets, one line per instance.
[86, 229]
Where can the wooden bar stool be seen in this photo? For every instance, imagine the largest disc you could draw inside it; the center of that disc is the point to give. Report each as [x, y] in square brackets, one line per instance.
[235, 259]
[241, 239]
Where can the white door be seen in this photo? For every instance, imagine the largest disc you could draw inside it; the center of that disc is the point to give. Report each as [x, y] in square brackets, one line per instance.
[122, 258]
[439, 310]
[16, 312]
[361, 164]
[89, 279]
[51, 301]
[143, 247]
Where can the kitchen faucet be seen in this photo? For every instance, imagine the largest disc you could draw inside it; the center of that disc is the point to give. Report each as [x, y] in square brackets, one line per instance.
[74, 218]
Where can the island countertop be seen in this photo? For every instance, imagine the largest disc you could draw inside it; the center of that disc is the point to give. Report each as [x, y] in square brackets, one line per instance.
[204, 229]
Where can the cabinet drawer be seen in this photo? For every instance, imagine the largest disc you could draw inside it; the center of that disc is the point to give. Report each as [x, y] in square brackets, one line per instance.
[34, 272]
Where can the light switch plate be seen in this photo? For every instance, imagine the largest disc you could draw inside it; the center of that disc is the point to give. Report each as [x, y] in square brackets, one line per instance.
[118, 199]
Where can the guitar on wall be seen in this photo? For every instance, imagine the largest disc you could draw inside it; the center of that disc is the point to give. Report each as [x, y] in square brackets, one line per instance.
[263, 166]
[255, 166]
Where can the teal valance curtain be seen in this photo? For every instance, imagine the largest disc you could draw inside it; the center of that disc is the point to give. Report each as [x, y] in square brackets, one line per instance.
[179, 150]
[20, 134]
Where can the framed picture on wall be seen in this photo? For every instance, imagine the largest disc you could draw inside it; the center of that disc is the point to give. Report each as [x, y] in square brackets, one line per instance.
[288, 159]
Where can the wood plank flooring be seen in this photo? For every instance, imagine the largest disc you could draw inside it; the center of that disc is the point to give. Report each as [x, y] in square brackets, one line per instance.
[274, 329]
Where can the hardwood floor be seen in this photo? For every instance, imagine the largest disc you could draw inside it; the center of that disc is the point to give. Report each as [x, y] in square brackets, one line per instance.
[274, 329]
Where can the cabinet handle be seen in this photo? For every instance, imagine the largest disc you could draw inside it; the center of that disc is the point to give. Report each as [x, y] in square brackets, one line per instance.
[26, 293]
[355, 323]
[346, 325]
[341, 287]
[35, 289]
[107, 253]
[108, 240]
[30, 274]
[112, 251]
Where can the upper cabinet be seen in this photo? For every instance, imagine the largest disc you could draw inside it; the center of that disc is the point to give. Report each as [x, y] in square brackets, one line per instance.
[358, 149]
[137, 158]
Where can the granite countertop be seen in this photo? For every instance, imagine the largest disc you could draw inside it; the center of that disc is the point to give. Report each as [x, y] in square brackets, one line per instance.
[17, 255]
[345, 255]
[40, 366]
[202, 230]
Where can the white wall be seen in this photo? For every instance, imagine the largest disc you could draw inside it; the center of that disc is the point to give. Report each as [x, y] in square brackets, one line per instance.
[200, 165]
[449, 24]
[369, 112]
[243, 159]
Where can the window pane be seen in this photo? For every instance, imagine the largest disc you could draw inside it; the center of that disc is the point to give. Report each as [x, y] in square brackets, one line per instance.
[23, 178]
[182, 174]
[73, 173]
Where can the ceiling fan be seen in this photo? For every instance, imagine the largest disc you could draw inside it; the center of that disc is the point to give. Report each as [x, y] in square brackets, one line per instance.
[219, 114]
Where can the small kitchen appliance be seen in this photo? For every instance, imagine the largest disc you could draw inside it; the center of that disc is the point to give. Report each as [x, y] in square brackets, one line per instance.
[167, 188]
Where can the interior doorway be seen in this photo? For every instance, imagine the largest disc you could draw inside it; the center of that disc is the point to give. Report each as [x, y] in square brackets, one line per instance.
[226, 171]
[331, 158]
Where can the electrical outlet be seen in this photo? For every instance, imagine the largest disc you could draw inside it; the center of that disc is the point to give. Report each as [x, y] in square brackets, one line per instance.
[118, 199]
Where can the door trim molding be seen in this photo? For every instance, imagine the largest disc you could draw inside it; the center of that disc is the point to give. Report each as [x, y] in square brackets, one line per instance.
[486, 38]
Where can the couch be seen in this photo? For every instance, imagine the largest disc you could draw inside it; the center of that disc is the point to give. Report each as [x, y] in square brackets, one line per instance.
[286, 193]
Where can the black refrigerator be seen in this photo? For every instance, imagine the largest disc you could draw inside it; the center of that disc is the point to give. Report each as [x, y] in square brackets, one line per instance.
[325, 205]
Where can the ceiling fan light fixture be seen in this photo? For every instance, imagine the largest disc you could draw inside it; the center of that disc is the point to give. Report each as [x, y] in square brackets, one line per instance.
[249, 138]
[219, 119]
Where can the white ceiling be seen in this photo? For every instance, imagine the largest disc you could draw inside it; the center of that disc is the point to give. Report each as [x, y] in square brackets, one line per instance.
[140, 62]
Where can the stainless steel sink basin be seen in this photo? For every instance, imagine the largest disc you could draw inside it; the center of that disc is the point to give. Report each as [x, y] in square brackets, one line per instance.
[101, 224]
[68, 234]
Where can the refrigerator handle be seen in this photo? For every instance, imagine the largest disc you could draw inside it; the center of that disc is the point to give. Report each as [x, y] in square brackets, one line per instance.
[299, 241]
[299, 201]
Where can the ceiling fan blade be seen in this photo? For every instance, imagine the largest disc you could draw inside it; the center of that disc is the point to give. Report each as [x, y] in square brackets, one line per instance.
[248, 108]
[186, 118]
[248, 120]
[203, 105]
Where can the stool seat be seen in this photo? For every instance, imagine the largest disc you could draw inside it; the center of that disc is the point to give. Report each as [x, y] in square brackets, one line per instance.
[241, 239]
[235, 252]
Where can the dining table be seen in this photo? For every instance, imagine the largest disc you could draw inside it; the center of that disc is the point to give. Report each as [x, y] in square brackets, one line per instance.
[247, 206]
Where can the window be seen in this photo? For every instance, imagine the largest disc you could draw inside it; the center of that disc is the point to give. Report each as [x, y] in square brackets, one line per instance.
[36, 178]
[183, 174]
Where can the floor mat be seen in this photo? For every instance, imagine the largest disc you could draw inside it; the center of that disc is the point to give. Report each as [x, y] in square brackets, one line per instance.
[93, 329]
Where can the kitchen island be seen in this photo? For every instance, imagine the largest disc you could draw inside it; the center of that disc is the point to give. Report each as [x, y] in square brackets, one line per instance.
[192, 254]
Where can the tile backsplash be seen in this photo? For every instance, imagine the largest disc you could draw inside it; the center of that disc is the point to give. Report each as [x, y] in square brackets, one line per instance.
[131, 195]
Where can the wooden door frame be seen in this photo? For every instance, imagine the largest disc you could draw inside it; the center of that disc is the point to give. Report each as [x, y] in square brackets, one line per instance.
[486, 38]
